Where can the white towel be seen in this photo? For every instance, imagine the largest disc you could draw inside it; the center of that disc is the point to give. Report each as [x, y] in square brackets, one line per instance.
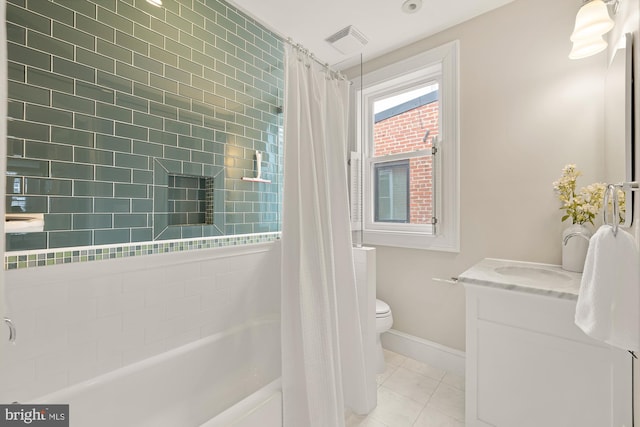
[608, 306]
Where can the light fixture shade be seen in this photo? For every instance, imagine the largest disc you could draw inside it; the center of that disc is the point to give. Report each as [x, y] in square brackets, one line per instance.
[587, 47]
[592, 20]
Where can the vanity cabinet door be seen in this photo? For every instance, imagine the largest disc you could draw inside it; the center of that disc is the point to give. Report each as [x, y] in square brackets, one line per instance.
[528, 365]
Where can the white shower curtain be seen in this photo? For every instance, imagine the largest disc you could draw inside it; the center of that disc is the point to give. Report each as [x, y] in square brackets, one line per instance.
[322, 361]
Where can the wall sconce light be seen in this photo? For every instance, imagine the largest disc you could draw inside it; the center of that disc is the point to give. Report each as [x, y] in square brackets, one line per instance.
[587, 47]
[592, 22]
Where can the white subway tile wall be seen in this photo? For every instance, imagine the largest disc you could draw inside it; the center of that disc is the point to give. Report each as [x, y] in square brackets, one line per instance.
[80, 320]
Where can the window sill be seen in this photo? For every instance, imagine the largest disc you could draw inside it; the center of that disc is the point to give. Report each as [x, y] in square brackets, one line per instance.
[442, 243]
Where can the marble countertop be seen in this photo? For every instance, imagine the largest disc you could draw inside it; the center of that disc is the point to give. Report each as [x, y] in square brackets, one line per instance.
[530, 277]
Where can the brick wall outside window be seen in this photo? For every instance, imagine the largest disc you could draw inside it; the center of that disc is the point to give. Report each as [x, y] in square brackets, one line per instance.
[405, 133]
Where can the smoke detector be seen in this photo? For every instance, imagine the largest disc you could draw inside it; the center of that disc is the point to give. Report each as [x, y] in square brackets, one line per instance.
[411, 6]
[348, 40]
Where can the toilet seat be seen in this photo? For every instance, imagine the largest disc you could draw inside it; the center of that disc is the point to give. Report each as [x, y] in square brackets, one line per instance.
[384, 321]
[382, 309]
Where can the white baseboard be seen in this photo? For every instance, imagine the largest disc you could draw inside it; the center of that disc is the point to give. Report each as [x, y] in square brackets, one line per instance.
[437, 355]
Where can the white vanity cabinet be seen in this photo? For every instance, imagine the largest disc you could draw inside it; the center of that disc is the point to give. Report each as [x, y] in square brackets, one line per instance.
[527, 364]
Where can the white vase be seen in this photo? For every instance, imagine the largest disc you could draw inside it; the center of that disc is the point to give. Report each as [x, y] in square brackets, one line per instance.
[575, 243]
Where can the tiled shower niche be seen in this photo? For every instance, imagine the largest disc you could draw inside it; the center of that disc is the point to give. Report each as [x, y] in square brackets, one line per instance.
[186, 205]
[188, 200]
[103, 92]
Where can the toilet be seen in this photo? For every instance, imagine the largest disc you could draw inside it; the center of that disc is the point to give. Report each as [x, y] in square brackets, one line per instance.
[384, 320]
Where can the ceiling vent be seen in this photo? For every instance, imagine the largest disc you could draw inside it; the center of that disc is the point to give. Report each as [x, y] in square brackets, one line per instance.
[348, 40]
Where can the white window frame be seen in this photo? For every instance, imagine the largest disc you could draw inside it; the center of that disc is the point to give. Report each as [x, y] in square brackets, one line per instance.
[439, 64]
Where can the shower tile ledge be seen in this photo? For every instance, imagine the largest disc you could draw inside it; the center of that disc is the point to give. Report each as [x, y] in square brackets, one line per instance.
[526, 277]
[137, 254]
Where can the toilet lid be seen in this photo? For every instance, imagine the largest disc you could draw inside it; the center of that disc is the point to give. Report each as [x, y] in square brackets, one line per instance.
[382, 308]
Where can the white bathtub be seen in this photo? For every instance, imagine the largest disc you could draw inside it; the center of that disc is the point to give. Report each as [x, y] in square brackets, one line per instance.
[227, 379]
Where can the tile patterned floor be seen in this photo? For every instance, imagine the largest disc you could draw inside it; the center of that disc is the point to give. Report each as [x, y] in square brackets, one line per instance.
[414, 394]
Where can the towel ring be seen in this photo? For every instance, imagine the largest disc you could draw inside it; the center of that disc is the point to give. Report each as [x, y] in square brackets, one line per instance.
[608, 194]
[12, 329]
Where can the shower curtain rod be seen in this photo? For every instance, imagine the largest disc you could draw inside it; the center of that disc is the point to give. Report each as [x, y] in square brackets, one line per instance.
[311, 56]
[296, 45]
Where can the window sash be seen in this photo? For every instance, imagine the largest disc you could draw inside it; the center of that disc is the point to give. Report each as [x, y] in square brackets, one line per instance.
[394, 213]
[370, 222]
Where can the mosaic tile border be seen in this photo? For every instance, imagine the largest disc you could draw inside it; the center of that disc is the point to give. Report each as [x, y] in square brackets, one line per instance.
[43, 258]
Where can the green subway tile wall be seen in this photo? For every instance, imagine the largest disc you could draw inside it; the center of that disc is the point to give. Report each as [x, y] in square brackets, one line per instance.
[105, 94]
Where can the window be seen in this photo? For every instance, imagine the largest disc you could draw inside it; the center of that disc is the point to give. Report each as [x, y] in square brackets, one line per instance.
[408, 153]
[392, 203]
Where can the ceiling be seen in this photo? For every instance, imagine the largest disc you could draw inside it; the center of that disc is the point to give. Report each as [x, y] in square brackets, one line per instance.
[383, 23]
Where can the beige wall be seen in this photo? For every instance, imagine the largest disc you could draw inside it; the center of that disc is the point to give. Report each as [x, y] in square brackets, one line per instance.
[525, 111]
